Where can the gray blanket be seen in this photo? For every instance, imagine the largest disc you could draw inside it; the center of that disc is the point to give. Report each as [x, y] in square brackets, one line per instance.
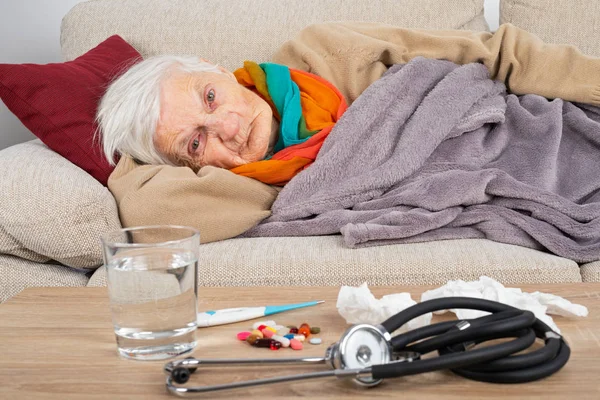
[434, 150]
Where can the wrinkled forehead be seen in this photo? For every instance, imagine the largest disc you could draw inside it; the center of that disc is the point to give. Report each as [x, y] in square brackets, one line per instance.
[177, 76]
[180, 81]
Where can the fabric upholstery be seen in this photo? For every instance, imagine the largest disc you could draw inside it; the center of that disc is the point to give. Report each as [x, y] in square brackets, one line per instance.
[557, 21]
[18, 274]
[50, 209]
[591, 272]
[134, 288]
[244, 29]
[325, 261]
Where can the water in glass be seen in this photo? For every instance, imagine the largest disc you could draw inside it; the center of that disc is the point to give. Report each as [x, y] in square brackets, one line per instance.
[153, 299]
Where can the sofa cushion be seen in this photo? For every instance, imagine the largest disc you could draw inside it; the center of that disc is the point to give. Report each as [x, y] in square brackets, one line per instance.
[566, 22]
[244, 29]
[18, 274]
[591, 272]
[326, 261]
[51, 209]
[58, 101]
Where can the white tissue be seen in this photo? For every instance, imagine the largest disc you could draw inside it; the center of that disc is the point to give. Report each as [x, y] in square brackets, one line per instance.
[559, 306]
[358, 306]
[539, 303]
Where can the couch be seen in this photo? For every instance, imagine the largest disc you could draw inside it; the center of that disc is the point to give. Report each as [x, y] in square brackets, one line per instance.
[52, 213]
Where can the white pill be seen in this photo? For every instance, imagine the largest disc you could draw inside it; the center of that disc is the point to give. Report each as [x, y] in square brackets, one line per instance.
[283, 331]
[265, 323]
[300, 337]
[285, 342]
[315, 340]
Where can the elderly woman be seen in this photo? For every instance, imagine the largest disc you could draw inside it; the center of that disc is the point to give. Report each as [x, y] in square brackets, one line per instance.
[193, 137]
[183, 111]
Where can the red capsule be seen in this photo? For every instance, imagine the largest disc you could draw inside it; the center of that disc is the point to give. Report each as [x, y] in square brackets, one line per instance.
[275, 345]
[294, 330]
[261, 327]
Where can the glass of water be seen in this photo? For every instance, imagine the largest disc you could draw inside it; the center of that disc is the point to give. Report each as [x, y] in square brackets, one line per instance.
[152, 275]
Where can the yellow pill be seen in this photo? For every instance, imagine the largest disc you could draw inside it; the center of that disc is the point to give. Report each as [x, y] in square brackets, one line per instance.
[271, 329]
[257, 333]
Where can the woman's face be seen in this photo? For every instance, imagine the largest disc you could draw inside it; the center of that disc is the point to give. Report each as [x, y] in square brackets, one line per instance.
[208, 118]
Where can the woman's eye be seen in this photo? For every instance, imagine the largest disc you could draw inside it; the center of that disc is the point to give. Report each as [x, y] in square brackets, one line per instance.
[210, 96]
[195, 144]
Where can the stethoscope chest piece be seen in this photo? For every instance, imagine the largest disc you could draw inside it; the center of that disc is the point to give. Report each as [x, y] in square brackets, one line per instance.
[360, 347]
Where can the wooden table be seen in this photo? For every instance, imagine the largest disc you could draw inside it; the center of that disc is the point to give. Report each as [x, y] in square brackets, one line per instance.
[57, 343]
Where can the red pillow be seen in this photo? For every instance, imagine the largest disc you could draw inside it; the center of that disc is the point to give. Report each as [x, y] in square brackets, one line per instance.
[57, 102]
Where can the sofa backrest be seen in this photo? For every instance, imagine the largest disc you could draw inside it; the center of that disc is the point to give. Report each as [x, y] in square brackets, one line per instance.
[575, 22]
[229, 32]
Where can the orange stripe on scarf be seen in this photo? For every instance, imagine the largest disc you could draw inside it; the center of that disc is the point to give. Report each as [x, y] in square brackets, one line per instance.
[322, 105]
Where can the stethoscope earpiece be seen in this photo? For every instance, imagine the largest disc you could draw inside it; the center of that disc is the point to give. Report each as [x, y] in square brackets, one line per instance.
[181, 375]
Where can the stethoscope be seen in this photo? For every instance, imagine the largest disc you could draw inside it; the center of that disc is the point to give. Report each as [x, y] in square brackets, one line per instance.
[368, 353]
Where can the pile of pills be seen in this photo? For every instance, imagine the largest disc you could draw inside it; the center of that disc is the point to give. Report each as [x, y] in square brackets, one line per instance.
[269, 334]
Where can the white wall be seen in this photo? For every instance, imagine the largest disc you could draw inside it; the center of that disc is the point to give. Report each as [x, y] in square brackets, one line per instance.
[492, 13]
[30, 33]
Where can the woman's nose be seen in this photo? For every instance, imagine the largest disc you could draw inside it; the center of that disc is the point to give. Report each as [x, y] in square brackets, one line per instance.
[226, 126]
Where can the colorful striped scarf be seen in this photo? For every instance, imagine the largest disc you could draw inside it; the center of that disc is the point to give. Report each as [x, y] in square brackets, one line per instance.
[306, 106]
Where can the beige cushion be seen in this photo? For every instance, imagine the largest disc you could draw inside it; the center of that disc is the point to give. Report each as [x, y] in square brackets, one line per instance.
[139, 288]
[51, 209]
[243, 29]
[325, 261]
[557, 21]
[18, 274]
[591, 272]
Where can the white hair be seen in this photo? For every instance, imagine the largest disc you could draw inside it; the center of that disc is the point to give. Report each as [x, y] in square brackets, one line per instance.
[129, 111]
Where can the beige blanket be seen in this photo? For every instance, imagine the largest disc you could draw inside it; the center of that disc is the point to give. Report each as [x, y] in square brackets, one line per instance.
[352, 56]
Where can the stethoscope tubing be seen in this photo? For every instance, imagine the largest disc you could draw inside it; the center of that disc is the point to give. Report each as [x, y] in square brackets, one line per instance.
[401, 341]
[522, 375]
[396, 321]
[489, 364]
[541, 355]
[483, 332]
[455, 360]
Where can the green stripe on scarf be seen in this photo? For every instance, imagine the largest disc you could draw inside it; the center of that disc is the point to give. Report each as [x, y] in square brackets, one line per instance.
[285, 95]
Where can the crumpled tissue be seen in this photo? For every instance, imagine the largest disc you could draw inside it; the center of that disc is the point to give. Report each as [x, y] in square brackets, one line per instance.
[358, 305]
[541, 304]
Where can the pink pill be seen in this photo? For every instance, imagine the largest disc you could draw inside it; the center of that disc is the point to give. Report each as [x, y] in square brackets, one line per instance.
[267, 333]
[296, 344]
[243, 335]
